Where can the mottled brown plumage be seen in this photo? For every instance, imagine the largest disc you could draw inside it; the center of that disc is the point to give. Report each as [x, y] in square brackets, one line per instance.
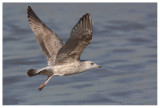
[63, 60]
[80, 37]
[49, 42]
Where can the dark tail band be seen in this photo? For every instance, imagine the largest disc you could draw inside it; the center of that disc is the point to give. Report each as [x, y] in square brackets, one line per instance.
[32, 72]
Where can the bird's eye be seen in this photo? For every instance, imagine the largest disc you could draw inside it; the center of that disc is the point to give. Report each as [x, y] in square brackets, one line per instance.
[92, 63]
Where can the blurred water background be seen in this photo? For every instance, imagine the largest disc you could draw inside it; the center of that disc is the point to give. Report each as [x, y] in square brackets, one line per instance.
[124, 43]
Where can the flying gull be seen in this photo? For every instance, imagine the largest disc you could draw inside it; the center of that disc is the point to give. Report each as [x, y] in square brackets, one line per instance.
[63, 60]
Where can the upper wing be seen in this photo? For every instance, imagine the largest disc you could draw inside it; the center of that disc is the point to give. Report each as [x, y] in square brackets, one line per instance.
[48, 40]
[80, 37]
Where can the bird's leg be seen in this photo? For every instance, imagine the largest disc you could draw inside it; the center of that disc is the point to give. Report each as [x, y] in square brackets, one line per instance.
[45, 83]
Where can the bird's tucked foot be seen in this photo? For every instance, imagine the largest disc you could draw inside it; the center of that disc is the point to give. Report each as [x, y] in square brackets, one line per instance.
[44, 84]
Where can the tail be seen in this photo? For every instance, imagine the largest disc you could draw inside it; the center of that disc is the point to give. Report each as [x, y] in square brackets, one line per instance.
[44, 71]
[32, 72]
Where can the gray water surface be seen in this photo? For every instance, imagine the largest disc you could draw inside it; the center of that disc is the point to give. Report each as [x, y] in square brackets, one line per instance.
[124, 43]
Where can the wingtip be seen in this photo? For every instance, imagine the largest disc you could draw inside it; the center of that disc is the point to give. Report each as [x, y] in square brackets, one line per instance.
[31, 14]
[85, 22]
[88, 14]
[29, 7]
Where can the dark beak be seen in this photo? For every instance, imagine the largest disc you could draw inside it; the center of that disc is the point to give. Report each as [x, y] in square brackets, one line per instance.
[99, 66]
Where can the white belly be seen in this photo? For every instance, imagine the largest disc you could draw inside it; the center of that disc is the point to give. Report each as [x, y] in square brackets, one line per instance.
[69, 69]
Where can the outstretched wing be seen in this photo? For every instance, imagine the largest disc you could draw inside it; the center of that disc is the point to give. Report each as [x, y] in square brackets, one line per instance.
[80, 37]
[48, 40]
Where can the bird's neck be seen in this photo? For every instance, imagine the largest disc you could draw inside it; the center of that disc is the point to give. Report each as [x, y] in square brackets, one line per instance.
[83, 66]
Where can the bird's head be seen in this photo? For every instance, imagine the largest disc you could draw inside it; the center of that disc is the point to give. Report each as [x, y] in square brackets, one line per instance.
[90, 65]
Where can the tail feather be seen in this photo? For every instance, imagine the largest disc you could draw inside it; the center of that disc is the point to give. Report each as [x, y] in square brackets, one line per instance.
[43, 71]
[32, 72]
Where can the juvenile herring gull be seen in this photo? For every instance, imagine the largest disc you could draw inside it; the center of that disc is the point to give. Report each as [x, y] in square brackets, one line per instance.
[62, 59]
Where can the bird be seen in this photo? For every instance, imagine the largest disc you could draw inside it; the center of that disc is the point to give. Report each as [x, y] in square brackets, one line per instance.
[63, 59]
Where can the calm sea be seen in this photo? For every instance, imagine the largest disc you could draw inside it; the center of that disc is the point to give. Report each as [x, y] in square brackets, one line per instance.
[124, 43]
